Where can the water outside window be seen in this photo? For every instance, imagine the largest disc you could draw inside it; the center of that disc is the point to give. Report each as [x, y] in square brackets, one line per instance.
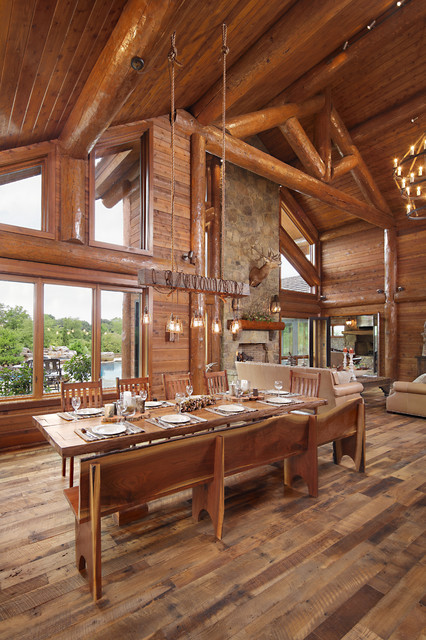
[16, 338]
[111, 337]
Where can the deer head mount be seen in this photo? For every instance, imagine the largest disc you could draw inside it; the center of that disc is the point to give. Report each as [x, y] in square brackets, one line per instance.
[271, 261]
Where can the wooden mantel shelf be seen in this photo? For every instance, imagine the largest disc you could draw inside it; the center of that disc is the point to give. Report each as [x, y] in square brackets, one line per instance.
[259, 325]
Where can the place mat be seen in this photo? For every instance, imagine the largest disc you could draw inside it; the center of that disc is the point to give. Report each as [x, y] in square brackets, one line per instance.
[165, 425]
[272, 404]
[89, 436]
[164, 403]
[274, 392]
[228, 414]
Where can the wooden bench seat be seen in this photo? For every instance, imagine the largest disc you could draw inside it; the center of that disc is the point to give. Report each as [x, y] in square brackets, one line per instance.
[114, 481]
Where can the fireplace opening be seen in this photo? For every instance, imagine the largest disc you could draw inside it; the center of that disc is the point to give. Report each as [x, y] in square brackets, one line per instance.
[257, 352]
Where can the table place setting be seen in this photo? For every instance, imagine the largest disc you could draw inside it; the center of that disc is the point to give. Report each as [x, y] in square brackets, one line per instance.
[103, 431]
[279, 400]
[230, 410]
[158, 404]
[173, 420]
[81, 414]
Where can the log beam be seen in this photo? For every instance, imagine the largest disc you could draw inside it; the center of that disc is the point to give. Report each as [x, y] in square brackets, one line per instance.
[322, 136]
[252, 159]
[197, 348]
[345, 230]
[343, 166]
[296, 258]
[298, 216]
[303, 148]
[251, 124]
[73, 200]
[112, 80]
[390, 310]
[373, 299]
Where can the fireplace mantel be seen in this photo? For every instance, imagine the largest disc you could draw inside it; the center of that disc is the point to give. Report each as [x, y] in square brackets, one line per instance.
[259, 325]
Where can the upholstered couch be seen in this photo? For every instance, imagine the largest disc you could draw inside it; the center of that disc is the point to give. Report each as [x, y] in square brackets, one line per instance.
[333, 385]
[408, 397]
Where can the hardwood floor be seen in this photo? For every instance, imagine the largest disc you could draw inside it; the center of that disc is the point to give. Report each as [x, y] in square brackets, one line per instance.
[349, 564]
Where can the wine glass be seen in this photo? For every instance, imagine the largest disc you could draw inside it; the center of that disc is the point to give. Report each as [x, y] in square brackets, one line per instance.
[189, 390]
[75, 401]
[179, 398]
[278, 385]
[143, 394]
[238, 389]
[120, 410]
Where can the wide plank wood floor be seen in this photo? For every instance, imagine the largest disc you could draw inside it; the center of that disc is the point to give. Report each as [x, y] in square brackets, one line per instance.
[349, 564]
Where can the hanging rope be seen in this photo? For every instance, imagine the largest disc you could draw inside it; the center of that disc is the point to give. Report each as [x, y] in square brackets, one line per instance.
[172, 60]
[225, 51]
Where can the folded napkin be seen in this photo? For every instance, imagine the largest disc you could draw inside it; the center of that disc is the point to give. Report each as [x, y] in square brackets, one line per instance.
[69, 416]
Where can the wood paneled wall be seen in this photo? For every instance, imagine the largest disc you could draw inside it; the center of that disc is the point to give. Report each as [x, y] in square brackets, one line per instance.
[353, 271]
[25, 254]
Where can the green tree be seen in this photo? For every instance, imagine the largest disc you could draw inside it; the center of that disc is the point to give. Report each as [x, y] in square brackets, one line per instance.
[16, 332]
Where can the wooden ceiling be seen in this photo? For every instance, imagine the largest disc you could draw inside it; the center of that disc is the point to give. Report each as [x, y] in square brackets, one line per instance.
[52, 50]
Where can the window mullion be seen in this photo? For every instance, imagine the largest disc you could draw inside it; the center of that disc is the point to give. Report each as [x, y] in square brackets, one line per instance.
[38, 348]
[96, 334]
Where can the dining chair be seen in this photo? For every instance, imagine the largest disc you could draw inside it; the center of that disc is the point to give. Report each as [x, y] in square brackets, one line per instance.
[175, 383]
[90, 394]
[133, 384]
[305, 384]
[216, 381]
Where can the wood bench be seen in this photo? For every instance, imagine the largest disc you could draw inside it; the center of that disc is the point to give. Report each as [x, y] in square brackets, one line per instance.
[344, 426]
[114, 481]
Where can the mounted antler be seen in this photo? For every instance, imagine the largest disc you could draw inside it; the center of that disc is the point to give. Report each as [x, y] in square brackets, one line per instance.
[258, 274]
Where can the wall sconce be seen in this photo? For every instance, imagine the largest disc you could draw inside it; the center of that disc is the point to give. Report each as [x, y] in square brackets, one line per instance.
[275, 306]
[146, 318]
[322, 298]
[400, 289]
[189, 257]
[351, 323]
[216, 325]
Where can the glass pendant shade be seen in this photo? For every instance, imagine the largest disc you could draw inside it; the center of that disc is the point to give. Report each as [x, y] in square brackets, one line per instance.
[216, 326]
[146, 318]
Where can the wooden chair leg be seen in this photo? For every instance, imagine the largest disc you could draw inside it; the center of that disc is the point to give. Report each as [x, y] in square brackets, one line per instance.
[211, 496]
[71, 472]
[64, 467]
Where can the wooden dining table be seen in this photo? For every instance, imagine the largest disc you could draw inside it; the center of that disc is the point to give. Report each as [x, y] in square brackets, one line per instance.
[63, 434]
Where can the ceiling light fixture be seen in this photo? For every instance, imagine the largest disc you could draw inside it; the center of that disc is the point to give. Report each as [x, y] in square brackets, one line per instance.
[409, 175]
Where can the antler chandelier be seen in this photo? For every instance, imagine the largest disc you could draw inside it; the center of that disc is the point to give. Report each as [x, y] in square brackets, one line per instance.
[409, 174]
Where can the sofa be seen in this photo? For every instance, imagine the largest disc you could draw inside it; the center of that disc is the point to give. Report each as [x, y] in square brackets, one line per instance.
[408, 397]
[334, 385]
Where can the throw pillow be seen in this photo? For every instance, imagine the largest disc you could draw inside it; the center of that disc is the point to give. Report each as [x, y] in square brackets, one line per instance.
[341, 377]
[421, 378]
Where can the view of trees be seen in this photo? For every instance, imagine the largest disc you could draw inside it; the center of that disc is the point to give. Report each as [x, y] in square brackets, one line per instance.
[16, 334]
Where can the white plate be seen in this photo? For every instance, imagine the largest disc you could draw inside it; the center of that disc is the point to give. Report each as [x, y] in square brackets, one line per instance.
[90, 411]
[231, 408]
[153, 403]
[175, 418]
[109, 429]
[279, 400]
[278, 393]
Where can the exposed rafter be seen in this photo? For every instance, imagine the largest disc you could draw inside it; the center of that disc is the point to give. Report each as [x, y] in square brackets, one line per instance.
[296, 258]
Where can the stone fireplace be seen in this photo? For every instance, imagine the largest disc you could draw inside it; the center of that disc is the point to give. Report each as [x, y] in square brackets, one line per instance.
[252, 218]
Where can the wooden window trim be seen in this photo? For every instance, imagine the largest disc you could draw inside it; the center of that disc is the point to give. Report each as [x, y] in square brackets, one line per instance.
[47, 163]
[112, 140]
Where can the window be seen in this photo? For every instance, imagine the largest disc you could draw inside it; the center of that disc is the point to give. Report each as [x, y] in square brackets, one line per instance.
[16, 338]
[291, 279]
[88, 332]
[295, 341]
[120, 195]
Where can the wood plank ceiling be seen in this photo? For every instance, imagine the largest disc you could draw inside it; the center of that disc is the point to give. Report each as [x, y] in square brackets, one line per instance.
[49, 48]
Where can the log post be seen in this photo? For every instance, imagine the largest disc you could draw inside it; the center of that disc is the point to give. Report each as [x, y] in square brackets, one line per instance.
[197, 349]
[390, 309]
[322, 135]
[73, 200]
[303, 147]
[215, 250]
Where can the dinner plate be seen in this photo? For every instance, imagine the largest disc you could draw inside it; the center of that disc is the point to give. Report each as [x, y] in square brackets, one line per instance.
[109, 429]
[175, 418]
[90, 411]
[153, 403]
[278, 393]
[279, 400]
[231, 408]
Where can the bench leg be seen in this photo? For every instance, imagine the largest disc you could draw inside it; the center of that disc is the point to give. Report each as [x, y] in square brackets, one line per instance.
[95, 577]
[211, 496]
[305, 464]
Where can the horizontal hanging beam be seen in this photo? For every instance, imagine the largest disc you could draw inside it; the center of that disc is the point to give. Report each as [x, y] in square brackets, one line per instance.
[296, 258]
[252, 123]
[192, 283]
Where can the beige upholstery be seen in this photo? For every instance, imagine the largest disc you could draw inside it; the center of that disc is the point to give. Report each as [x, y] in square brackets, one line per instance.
[407, 397]
[263, 375]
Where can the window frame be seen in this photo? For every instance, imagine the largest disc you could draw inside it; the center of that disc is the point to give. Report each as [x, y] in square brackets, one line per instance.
[117, 137]
[47, 163]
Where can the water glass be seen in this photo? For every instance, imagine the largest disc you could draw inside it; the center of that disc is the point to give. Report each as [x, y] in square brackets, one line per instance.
[278, 385]
[189, 390]
[75, 401]
[179, 398]
[238, 389]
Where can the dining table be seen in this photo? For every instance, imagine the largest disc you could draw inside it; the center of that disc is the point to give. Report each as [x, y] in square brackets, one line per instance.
[89, 434]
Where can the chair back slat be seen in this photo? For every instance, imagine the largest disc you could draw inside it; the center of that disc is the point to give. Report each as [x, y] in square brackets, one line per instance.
[305, 384]
[90, 394]
[132, 384]
[216, 381]
[175, 383]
